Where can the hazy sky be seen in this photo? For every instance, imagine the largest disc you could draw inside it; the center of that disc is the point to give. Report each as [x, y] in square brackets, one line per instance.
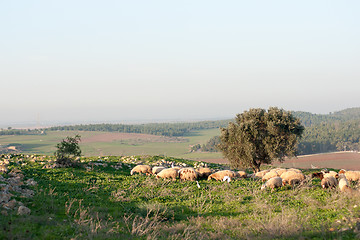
[131, 60]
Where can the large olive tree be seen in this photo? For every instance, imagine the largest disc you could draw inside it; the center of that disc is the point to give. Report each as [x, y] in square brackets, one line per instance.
[258, 136]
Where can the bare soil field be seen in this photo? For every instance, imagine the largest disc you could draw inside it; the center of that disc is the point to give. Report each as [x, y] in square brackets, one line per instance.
[336, 160]
[110, 137]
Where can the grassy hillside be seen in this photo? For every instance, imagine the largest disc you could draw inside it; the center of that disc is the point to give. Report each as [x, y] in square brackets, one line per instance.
[100, 200]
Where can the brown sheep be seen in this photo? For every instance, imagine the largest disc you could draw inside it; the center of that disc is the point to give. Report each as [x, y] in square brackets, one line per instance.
[141, 169]
[168, 173]
[318, 175]
[188, 173]
[204, 173]
[219, 176]
[291, 177]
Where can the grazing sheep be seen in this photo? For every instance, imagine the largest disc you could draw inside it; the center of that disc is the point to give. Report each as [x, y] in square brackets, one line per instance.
[272, 183]
[351, 175]
[331, 173]
[294, 170]
[177, 168]
[291, 177]
[188, 173]
[329, 182]
[141, 169]
[241, 174]
[269, 175]
[156, 170]
[204, 173]
[219, 176]
[168, 173]
[261, 173]
[280, 170]
[344, 184]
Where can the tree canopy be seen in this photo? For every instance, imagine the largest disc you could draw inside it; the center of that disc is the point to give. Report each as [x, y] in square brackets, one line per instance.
[67, 149]
[258, 136]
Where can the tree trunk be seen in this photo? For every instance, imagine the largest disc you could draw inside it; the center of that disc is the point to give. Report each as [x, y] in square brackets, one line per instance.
[256, 166]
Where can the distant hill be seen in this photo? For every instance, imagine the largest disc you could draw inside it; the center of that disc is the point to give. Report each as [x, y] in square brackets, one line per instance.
[311, 119]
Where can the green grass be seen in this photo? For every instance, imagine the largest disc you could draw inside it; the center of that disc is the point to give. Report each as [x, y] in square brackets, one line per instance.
[45, 144]
[100, 202]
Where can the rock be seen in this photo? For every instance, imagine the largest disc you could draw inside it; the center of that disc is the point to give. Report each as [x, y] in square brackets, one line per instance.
[15, 182]
[22, 210]
[16, 173]
[10, 205]
[4, 213]
[4, 197]
[31, 182]
[27, 193]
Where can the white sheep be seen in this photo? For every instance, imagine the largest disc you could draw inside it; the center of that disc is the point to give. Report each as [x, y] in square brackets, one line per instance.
[157, 169]
[219, 176]
[272, 183]
[168, 173]
[188, 173]
[280, 170]
[344, 185]
[141, 169]
[292, 177]
[331, 173]
[351, 175]
[294, 170]
[328, 182]
[241, 174]
[269, 175]
[261, 173]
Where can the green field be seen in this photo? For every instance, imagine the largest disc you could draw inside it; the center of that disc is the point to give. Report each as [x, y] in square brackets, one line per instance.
[45, 144]
[100, 200]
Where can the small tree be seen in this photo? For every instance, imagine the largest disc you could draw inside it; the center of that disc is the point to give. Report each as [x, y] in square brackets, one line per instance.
[259, 136]
[67, 150]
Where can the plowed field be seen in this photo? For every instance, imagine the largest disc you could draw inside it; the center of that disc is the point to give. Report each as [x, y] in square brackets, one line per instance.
[336, 160]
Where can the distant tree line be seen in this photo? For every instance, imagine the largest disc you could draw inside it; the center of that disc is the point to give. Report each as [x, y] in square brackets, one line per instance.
[11, 131]
[164, 129]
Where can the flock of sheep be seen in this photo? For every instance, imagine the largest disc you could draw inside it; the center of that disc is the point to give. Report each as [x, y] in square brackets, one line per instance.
[273, 178]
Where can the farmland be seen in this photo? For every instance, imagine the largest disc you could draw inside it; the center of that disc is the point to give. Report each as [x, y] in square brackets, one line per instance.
[100, 200]
[95, 143]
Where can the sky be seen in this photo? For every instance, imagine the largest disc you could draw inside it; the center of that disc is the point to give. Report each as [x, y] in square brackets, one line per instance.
[122, 61]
